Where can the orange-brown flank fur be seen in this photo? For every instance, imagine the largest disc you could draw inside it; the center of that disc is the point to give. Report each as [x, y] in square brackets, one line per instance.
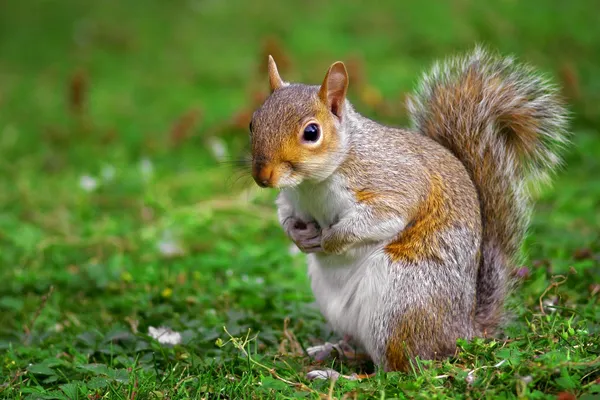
[418, 322]
[364, 195]
[419, 240]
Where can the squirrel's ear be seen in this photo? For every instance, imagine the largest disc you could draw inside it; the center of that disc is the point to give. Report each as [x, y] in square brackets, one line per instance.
[274, 79]
[334, 88]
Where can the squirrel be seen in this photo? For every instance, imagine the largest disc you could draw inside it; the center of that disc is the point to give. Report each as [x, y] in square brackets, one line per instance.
[411, 235]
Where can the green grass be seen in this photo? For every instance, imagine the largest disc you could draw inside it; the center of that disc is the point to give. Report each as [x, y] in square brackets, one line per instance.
[82, 273]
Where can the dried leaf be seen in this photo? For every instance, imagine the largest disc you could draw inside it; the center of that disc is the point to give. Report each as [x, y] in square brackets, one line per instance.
[541, 263]
[146, 213]
[371, 96]
[183, 127]
[570, 79]
[109, 137]
[272, 46]
[258, 97]
[566, 396]
[356, 71]
[77, 91]
[242, 119]
[583, 254]
[289, 344]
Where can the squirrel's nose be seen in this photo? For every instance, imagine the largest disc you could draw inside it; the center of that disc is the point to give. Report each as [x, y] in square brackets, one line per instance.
[263, 175]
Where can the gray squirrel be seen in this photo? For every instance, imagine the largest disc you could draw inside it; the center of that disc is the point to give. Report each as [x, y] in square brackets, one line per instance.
[411, 235]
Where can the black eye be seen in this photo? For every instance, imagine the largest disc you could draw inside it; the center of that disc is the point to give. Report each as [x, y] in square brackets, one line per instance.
[250, 126]
[311, 133]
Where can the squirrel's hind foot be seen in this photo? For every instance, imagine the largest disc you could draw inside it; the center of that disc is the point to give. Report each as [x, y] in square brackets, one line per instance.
[343, 349]
[325, 374]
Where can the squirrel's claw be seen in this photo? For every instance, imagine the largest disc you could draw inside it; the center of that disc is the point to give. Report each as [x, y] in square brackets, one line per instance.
[307, 236]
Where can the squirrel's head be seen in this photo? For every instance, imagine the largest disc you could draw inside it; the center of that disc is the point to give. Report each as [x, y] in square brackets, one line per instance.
[296, 134]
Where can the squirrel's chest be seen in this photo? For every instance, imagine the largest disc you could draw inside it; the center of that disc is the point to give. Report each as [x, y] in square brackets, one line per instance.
[324, 202]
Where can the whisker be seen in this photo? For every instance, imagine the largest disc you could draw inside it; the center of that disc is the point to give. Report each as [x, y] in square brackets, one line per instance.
[234, 162]
[241, 179]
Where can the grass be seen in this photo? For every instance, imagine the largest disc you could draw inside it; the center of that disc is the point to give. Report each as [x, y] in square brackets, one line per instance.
[116, 215]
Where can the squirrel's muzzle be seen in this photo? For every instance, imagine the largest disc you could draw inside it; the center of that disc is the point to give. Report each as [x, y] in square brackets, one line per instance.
[263, 174]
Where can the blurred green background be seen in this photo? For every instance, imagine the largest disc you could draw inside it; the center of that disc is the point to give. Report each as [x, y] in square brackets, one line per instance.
[123, 203]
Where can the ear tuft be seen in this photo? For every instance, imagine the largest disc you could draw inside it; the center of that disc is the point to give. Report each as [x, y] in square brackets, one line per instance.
[274, 79]
[334, 88]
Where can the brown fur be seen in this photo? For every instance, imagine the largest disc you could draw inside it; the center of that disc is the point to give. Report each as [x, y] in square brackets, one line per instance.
[285, 117]
[365, 195]
[420, 241]
[422, 332]
[330, 138]
[507, 126]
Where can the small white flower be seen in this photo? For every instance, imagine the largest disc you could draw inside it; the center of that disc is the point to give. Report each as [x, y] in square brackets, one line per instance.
[88, 183]
[168, 246]
[470, 378]
[549, 304]
[218, 148]
[164, 335]
[229, 272]
[527, 379]
[245, 278]
[146, 168]
[260, 280]
[108, 172]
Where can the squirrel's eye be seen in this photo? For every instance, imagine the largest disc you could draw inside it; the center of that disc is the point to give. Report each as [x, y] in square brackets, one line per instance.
[311, 133]
[250, 126]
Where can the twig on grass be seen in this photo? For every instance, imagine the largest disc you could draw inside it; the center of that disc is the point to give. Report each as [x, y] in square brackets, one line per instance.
[471, 375]
[556, 283]
[240, 345]
[290, 340]
[29, 328]
[7, 385]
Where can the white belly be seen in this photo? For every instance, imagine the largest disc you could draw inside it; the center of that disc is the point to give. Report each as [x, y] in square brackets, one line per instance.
[349, 290]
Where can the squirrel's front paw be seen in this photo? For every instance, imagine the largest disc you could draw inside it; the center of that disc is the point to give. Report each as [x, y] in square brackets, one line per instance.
[306, 235]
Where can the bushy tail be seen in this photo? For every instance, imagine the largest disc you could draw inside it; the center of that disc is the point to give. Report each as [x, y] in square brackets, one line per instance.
[507, 126]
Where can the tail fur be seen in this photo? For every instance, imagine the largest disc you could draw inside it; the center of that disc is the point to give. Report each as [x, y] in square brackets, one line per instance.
[508, 126]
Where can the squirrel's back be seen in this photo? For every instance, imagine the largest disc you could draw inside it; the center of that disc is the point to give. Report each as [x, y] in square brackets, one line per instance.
[507, 125]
